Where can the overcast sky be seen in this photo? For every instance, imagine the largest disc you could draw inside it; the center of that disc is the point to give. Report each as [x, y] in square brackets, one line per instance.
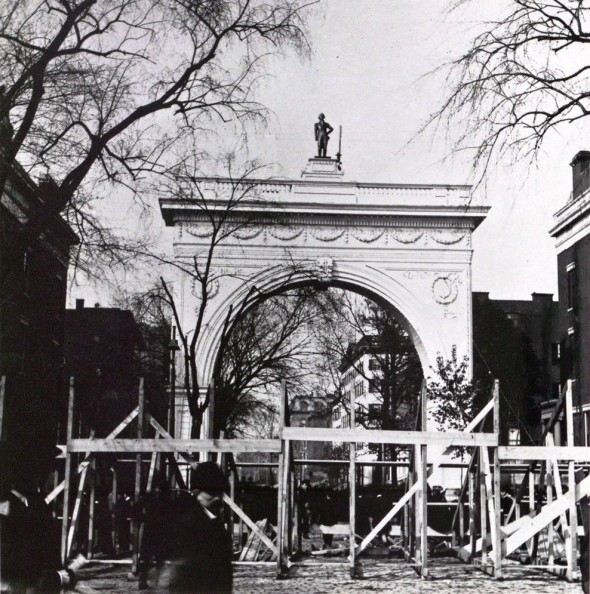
[369, 72]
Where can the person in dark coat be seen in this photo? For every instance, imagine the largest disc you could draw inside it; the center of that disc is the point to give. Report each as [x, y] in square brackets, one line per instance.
[29, 536]
[201, 546]
[584, 560]
[327, 518]
[153, 514]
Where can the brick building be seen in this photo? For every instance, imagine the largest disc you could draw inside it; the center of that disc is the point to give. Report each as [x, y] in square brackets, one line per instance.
[537, 320]
[572, 239]
[101, 349]
[32, 328]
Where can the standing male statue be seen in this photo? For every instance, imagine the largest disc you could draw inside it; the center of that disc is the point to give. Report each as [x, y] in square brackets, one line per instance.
[322, 134]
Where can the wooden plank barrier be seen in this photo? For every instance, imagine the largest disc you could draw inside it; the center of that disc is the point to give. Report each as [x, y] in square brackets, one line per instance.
[413, 489]
[489, 548]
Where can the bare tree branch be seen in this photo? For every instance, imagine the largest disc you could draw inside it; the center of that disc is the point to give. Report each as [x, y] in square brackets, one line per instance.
[521, 79]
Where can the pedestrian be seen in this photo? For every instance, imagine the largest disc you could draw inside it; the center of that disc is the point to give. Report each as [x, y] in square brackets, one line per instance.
[29, 535]
[304, 509]
[327, 519]
[154, 531]
[201, 547]
[123, 510]
[584, 561]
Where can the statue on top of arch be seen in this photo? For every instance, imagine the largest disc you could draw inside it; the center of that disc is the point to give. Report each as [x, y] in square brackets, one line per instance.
[322, 132]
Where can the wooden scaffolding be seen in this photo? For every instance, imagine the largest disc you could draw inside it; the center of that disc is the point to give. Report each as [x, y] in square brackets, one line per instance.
[543, 513]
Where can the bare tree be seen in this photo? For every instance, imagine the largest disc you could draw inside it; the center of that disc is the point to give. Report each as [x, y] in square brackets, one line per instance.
[358, 327]
[523, 77]
[268, 344]
[355, 328]
[97, 91]
[152, 316]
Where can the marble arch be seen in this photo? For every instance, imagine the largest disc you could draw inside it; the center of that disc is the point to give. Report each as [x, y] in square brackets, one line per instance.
[409, 245]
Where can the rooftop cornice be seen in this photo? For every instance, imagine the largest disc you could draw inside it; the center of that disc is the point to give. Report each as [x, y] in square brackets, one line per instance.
[572, 222]
[304, 182]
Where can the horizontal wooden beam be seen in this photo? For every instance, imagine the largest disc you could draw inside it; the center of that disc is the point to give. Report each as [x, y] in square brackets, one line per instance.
[574, 453]
[138, 446]
[433, 438]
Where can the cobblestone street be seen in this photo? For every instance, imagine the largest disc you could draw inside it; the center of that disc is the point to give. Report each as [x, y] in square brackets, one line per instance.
[333, 578]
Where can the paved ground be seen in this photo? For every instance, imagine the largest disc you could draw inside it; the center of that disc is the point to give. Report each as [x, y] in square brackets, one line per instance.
[332, 577]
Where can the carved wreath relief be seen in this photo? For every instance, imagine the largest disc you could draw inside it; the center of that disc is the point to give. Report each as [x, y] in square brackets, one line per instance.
[262, 232]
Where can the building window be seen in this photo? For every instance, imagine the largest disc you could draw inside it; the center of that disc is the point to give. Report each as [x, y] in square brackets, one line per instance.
[373, 386]
[374, 364]
[555, 353]
[572, 285]
[514, 318]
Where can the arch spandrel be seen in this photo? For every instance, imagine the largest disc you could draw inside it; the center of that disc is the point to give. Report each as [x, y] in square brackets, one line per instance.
[426, 321]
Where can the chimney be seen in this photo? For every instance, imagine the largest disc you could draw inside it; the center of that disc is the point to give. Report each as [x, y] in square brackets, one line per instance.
[79, 303]
[580, 173]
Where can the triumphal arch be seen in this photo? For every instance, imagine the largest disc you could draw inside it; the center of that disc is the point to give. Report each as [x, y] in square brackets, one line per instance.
[407, 245]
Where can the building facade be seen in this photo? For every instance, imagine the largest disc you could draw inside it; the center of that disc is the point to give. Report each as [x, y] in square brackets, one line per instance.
[32, 310]
[359, 375]
[537, 329]
[385, 384]
[101, 353]
[572, 239]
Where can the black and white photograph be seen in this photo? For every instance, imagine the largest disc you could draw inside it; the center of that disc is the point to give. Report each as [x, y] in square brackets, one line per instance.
[294, 296]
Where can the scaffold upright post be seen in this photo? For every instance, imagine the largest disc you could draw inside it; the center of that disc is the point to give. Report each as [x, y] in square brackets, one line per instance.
[140, 421]
[472, 504]
[571, 477]
[423, 478]
[497, 488]
[352, 490]
[281, 570]
[91, 509]
[292, 526]
[114, 510]
[483, 514]
[68, 473]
